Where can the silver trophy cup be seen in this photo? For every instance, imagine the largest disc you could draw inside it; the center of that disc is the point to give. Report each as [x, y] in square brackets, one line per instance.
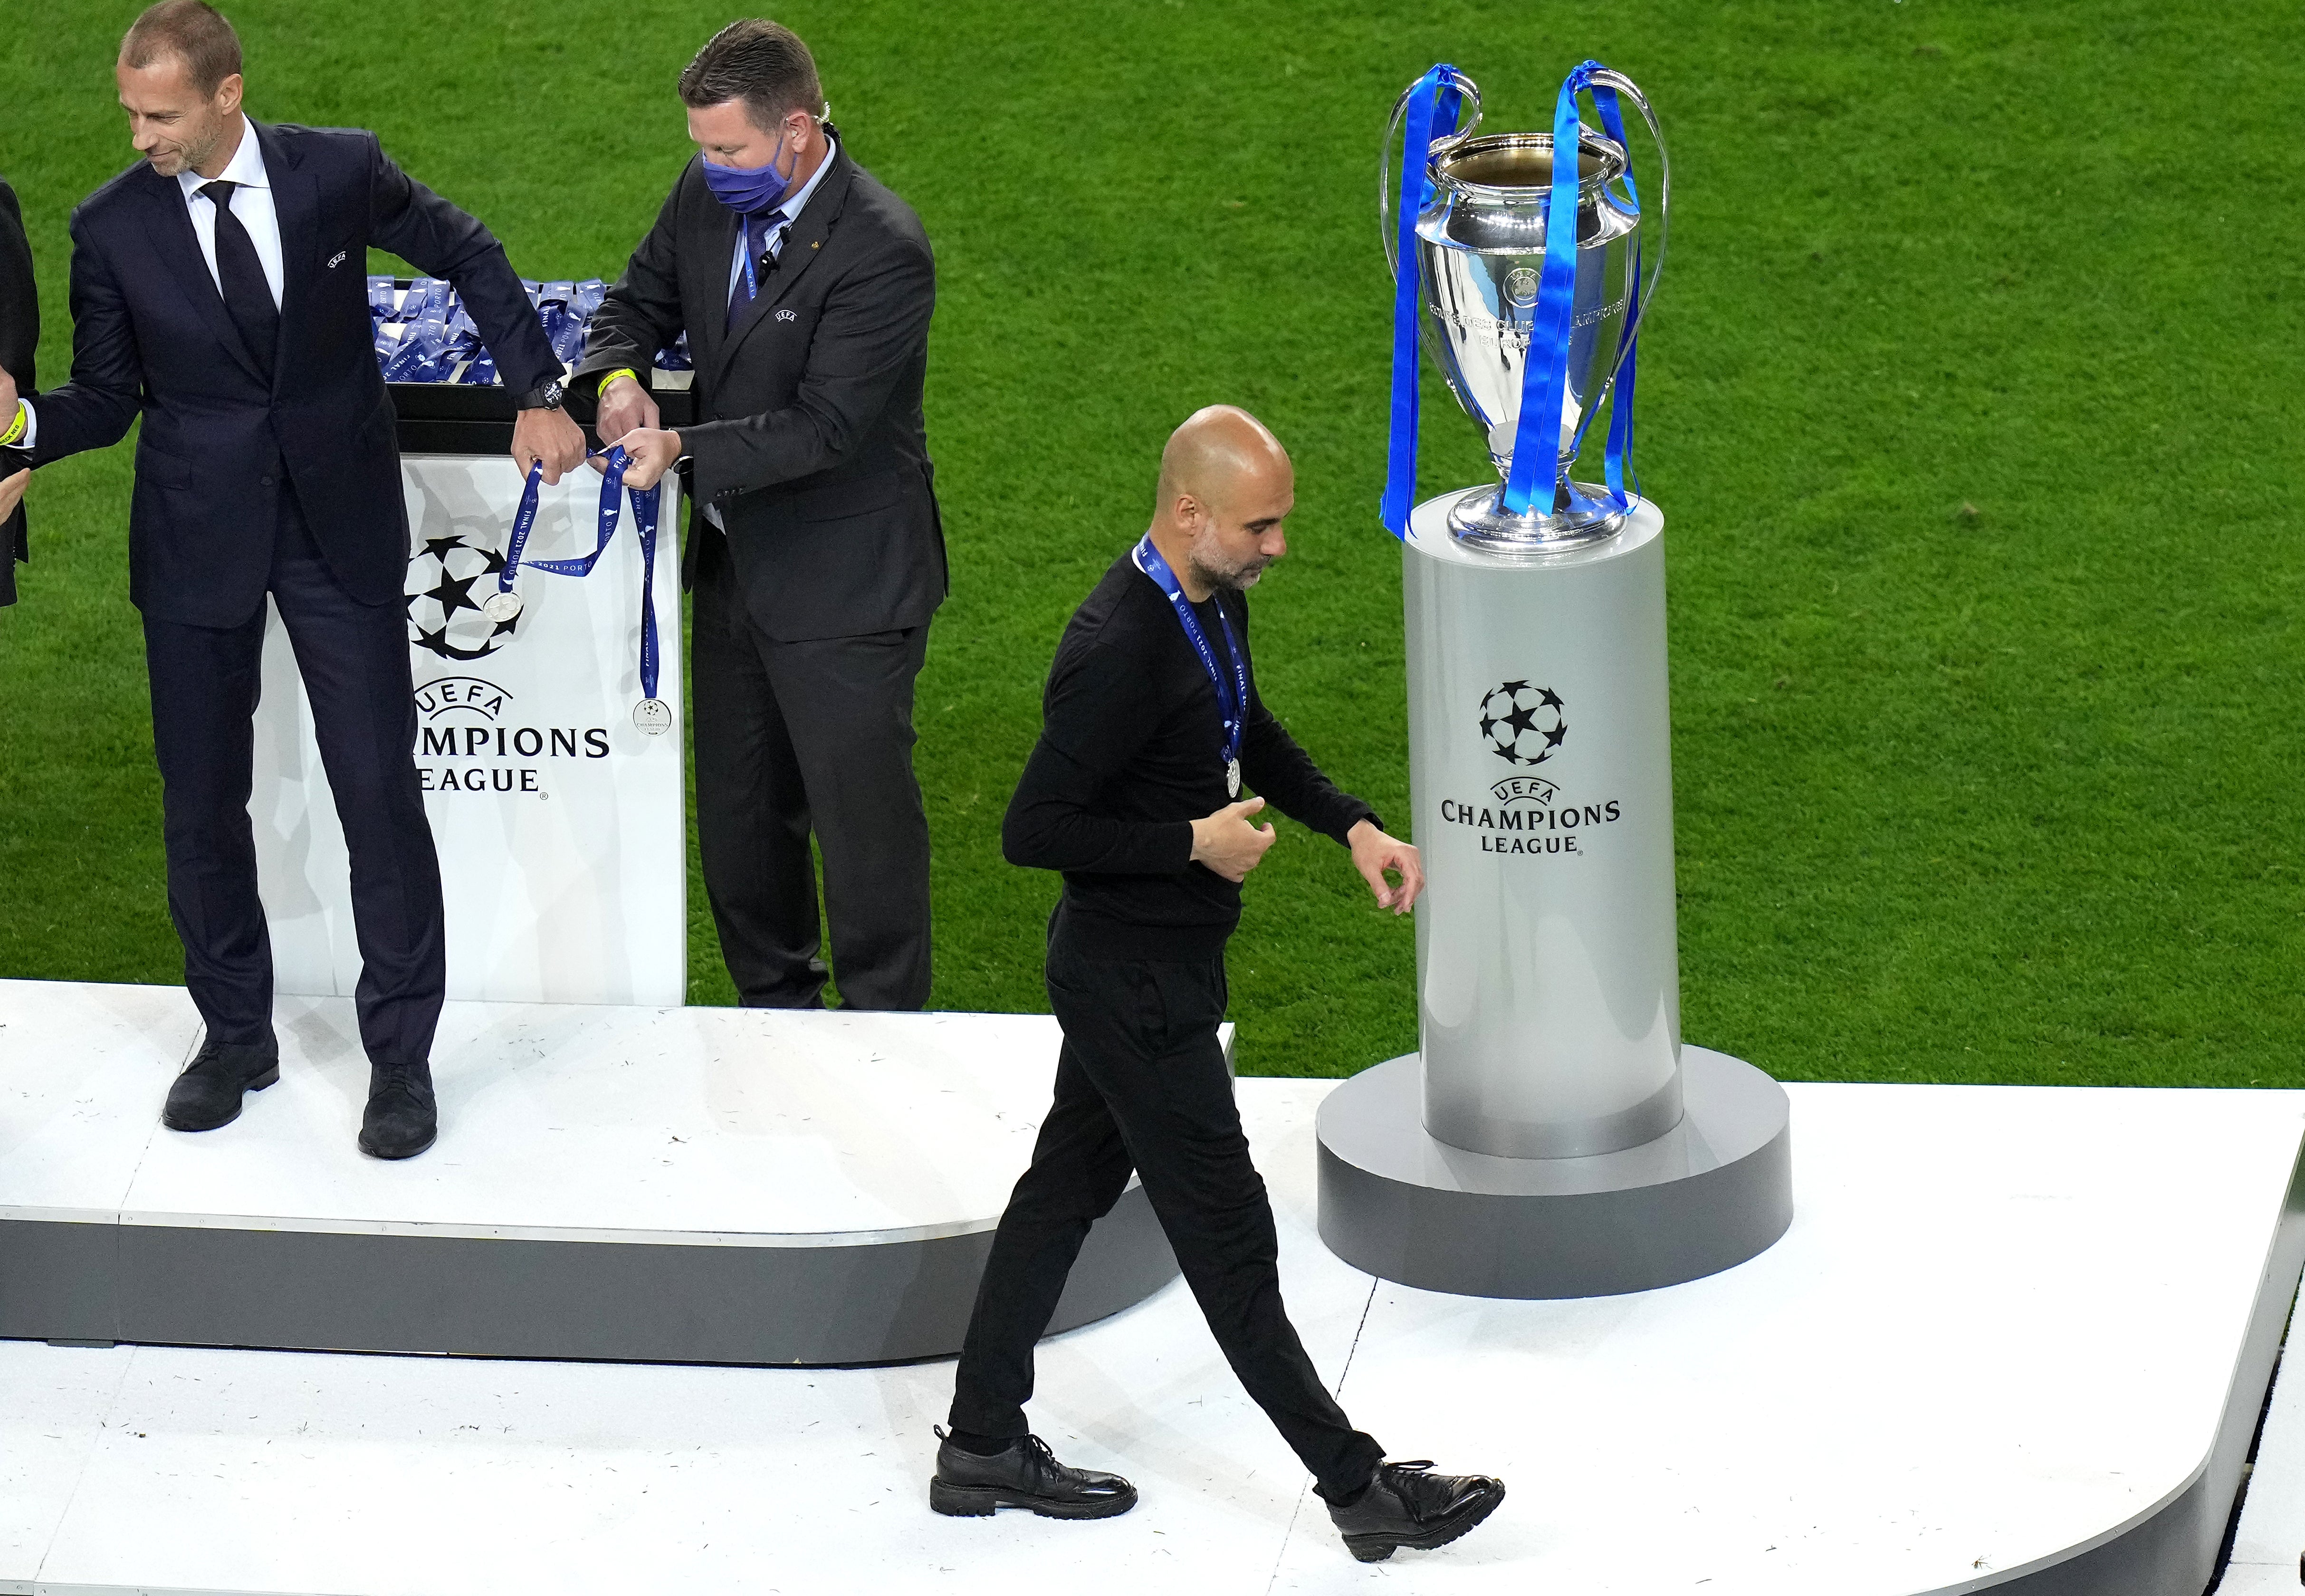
[1480, 259]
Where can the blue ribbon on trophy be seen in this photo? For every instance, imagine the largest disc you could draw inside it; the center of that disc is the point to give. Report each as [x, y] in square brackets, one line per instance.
[1517, 335]
[651, 714]
[1433, 100]
[1556, 305]
[1232, 703]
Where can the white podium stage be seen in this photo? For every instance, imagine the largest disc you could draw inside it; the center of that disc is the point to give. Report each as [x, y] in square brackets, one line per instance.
[2015, 1339]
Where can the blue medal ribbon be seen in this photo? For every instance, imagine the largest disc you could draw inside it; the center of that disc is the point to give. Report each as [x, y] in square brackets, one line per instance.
[612, 488]
[646, 508]
[1233, 699]
[644, 517]
[523, 522]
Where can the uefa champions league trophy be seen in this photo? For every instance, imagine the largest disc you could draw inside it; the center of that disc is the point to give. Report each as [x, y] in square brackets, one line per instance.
[1551, 1137]
[1514, 258]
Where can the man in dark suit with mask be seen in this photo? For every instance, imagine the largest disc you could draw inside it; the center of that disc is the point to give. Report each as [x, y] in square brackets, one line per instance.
[20, 338]
[218, 290]
[805, 288]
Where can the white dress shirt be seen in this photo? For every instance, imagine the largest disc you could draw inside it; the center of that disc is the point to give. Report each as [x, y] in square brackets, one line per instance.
[252, 203]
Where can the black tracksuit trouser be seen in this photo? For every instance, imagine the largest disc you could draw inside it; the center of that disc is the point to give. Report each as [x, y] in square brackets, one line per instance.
[1142, 1083]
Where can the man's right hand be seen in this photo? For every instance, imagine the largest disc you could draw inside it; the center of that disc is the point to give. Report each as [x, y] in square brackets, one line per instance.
[1229, 843]
[12, 494]
[625, 405]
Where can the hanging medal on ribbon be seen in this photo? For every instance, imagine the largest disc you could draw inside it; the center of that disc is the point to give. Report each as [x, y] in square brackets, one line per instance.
[505, 605]
[1232, 698]
[652, 715]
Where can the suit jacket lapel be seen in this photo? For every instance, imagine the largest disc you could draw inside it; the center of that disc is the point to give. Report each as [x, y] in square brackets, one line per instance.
[804, 242]
[296, 208]
[716, 242]
[170, 226]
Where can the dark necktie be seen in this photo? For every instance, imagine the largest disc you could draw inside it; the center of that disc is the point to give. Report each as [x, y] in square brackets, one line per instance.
[756, 236]
[247, 296]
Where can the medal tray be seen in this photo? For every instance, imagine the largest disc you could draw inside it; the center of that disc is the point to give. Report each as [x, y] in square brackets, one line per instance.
[453, 417]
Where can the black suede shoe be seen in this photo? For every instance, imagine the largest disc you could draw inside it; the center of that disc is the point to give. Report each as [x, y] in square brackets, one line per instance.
[402, 1117]
[1407, 1505]
[1027, 1475]
[207, 1094]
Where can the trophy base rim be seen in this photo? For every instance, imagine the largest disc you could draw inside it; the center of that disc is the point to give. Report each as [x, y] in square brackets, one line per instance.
[1480, 521]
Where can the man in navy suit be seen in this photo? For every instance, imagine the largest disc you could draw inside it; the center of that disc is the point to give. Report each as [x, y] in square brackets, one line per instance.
[219, 290]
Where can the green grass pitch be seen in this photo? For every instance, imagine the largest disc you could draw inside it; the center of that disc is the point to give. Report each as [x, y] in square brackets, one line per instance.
[1971, 396]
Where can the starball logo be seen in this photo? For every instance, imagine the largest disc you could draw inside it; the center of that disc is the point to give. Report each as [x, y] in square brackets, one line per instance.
[1526, 725]
[440, 583]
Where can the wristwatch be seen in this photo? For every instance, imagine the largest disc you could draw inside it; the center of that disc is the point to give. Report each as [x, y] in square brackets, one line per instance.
[545, 395]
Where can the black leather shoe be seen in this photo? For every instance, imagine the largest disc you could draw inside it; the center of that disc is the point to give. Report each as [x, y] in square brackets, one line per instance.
[1405, 1505]
[402, 1117]
[207, 1094]
[1027, 1475]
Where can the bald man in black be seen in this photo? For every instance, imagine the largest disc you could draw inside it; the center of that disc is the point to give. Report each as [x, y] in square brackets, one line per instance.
[1151, 726]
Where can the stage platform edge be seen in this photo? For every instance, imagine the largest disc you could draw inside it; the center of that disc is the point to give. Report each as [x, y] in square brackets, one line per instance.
[645, 1185]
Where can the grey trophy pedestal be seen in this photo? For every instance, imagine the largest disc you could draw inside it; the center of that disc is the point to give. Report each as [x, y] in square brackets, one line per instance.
[1552, 1137]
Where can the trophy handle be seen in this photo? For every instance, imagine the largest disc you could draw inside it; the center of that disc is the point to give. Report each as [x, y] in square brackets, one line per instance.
[1607, 78]
[1472, 92]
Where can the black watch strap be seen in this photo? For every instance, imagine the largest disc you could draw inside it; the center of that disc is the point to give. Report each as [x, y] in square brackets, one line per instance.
[545, 395]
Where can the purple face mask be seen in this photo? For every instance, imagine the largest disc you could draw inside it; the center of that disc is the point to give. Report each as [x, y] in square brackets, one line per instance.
[748, 190]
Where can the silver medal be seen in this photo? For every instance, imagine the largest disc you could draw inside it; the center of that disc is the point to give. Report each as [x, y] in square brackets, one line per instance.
[1232, 777]
[502, 606]
[652, 715]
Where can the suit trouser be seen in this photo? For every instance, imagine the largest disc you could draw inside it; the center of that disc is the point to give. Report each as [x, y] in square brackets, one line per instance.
[206, 680]
[1142, 1083]
[796, 737]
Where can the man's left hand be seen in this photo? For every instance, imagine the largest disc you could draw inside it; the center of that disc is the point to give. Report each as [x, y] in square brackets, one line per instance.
[1374, 853]
[651, 453]
[550, 436]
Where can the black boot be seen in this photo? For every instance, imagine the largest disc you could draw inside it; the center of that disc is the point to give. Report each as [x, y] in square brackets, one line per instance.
[1407, 1505]
[402, 1117]
[207, 1094]
[1027, 1475]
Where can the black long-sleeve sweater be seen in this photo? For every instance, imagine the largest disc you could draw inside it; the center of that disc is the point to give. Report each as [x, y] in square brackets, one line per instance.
[1130, 755]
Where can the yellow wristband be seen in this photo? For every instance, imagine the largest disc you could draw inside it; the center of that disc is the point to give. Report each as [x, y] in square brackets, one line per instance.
[619, 371]
[15, 427]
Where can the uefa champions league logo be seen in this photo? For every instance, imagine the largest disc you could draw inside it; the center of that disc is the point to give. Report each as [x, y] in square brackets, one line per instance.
[443, 615]
[1523, 724]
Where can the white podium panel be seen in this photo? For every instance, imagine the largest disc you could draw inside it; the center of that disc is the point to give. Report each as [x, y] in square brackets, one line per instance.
[561, 825]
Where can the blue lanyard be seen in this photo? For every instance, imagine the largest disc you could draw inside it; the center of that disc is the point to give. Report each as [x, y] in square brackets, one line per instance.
[1233, 703]
[646, 506]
